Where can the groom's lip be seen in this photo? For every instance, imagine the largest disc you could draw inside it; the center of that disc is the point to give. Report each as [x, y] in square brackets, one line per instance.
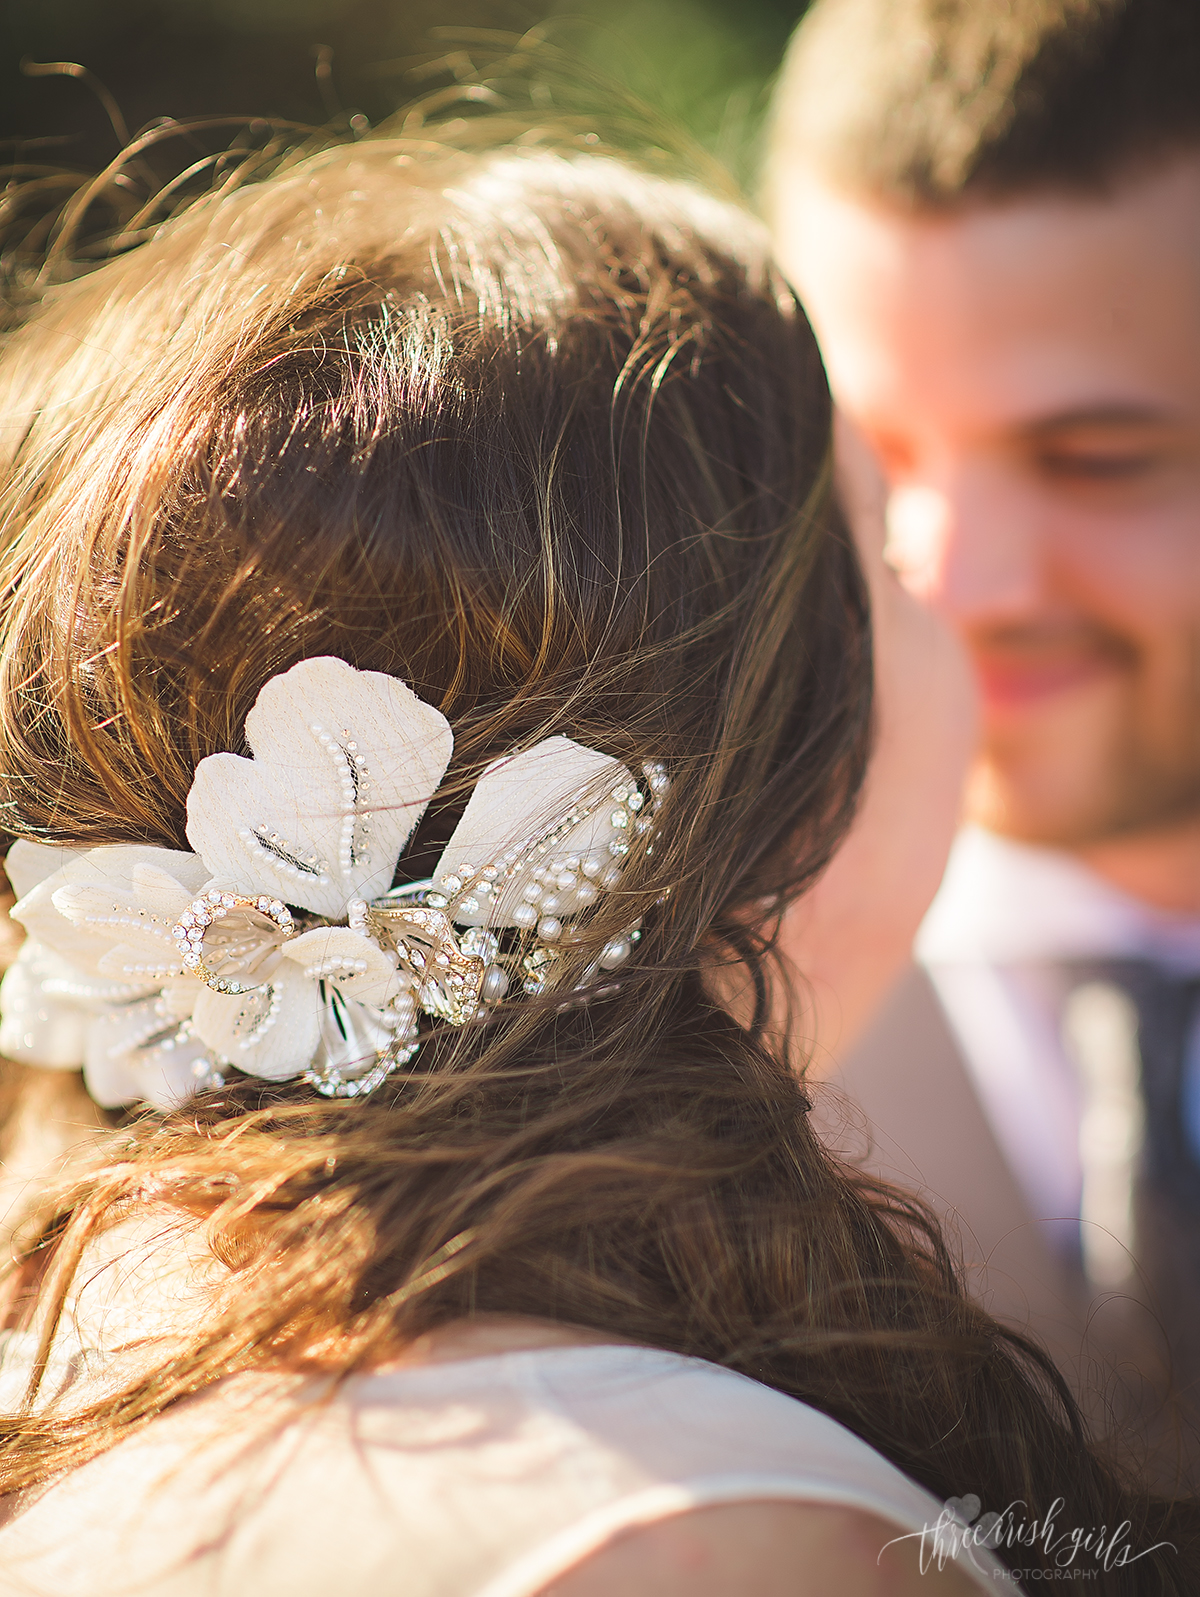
[1015, 684]
[1020, 668]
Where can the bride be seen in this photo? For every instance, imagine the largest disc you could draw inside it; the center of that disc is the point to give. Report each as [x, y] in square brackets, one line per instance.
[431, 665]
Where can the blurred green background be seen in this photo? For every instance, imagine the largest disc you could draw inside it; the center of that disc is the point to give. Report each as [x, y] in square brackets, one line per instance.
[706, 63]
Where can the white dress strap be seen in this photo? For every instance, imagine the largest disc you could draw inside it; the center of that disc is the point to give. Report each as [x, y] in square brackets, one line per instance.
[488, 1477]
[701, 1435]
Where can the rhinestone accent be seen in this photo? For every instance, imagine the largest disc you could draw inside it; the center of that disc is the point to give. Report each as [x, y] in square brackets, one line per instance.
[192, 927]
[424, 938]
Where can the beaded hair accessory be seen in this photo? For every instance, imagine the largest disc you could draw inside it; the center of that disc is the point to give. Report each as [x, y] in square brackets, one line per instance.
[279, 947]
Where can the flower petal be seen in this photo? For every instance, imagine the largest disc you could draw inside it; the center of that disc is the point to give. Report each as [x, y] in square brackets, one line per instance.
[26, 864]
[270, 1032]
[179, 998]
[33, 1028]
[344, 764]
[43, 923]
[354, 1035]
[109, 896]
[140, 1053]
[520, 818]
[345, 959]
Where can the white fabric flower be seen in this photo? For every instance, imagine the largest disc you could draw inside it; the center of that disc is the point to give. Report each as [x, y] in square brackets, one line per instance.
[152, 969]
[344, 764]
[553, 802]
[144, 1052]
[265, 1031]
[47, 1006]
[56, 986]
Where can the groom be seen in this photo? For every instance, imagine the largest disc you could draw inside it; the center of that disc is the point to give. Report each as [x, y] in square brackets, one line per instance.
[992, 211]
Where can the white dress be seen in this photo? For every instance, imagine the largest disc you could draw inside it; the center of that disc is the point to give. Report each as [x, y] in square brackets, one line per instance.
[485, 1477]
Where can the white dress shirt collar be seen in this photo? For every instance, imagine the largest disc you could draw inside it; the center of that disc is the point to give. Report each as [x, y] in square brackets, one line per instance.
[1004, 903]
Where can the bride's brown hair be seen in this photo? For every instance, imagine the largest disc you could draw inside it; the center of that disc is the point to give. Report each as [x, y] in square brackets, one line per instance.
[547, 438]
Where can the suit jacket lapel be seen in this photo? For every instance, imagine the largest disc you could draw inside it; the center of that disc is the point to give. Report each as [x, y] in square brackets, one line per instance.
[902, 1107]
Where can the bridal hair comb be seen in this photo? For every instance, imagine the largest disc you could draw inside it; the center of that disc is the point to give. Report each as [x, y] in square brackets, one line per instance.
[279, 946]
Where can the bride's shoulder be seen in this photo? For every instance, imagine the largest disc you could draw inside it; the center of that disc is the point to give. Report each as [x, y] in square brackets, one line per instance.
[507, 1460]
[773, 1549]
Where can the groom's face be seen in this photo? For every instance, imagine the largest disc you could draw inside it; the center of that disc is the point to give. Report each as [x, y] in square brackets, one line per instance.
[1028, 373]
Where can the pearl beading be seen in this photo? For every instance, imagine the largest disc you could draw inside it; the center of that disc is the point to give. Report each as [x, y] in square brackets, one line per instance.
[277, 852]
[332, 1081]
[88, 992]
[143, 922]
[152, 1030]
[461, 888]
[151, 973]
[337, 968]
[354, 780]
[254, 1020]
[561, 886]
[162, 1033]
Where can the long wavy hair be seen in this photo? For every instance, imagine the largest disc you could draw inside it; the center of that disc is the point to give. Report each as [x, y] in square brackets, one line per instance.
[546, 437]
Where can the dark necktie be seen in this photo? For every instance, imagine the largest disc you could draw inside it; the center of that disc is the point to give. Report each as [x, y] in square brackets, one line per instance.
[1163, 1175]
[1166, 1008]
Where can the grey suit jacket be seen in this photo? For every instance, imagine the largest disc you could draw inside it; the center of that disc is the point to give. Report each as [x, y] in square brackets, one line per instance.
[903, 1107]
